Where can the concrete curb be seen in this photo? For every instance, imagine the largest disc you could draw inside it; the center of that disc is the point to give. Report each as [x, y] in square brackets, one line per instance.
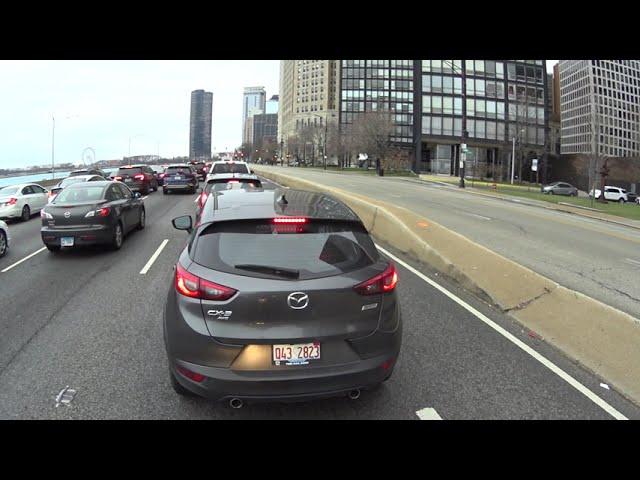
[601, 338]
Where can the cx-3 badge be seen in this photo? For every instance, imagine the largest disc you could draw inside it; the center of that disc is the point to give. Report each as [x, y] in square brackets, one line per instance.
[298, 300]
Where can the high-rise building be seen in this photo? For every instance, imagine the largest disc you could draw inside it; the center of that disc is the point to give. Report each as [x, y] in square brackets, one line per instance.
[253, 102]
[272, 104]
[601, 96]
[308, 96]
[200, 125]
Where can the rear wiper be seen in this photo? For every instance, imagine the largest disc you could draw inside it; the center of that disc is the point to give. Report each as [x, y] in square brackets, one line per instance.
[279, 271]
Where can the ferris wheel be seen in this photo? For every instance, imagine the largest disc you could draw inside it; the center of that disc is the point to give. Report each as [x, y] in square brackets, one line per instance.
[88, 156]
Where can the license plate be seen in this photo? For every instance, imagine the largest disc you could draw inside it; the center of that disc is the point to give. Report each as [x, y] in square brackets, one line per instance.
[296, 354]
[178, 177]
[128, 180]
[66, 241]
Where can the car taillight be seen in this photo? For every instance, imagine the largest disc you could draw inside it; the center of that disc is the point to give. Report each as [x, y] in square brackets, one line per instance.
[381, 283]
[203, 199]
[117, 177]
[103, 212]
[289, 220]
[162, 175]
[193, 286]
[12, 201]
[139, 177]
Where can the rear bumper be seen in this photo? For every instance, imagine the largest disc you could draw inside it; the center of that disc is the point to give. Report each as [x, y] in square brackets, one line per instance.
[13, 211]
[81, 237]
[178, 186]
[138, 186]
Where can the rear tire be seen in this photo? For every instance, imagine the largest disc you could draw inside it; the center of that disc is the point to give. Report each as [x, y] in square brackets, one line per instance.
[179, 389]
[142, 220]
[621, 201]
[3, 244]
[155, 189]
[26, 213]
[118, 237]
[53, 248]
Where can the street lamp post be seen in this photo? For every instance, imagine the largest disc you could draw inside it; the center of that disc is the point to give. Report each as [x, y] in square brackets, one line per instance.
[324, 140]
[517, 138]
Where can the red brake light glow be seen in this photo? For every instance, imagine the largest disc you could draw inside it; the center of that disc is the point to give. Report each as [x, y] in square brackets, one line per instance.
[192, 286]
[381, 283]
[203, 199]
[139, 177]
[196, 377]
[12, 201]
[289, 220]
[117, 177]
[103, 212]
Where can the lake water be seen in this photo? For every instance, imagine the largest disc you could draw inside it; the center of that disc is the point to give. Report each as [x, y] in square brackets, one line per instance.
[38, 177]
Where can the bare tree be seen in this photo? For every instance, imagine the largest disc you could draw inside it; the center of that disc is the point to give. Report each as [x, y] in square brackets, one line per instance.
[370, 134]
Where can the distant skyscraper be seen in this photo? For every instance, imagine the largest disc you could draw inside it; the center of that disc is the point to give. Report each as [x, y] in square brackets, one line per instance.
[253, 101]
[200, 130]
[272, 104]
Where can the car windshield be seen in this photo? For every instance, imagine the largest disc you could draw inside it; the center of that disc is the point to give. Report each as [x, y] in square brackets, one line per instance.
[230, 168]
[8, 191]
[84, 194]
[316, 249]
[70, 180]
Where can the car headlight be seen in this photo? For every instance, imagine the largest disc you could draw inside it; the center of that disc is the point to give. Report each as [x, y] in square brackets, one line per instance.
[46, 215]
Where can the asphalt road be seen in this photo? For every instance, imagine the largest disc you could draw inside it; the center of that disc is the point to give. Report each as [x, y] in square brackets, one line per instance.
[89, 320]
[599, 259]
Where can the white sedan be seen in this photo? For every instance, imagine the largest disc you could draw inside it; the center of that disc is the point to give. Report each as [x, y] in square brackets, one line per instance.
[5, 238]
[22, 201]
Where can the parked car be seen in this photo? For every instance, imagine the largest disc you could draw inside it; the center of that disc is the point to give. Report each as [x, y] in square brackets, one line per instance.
[139, 178]
[22, 201]
[91, 213]
[280, 294]
[615, 194]
[560, 188]
[70, 181]
[200, 169]
[89, 171]
[181, 176]
[5, 238]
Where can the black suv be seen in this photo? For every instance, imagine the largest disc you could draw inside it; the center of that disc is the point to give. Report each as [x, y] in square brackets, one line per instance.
[139, 178]
[281, 295]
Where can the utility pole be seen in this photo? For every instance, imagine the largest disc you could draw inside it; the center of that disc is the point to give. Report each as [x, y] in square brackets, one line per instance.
[53, 138]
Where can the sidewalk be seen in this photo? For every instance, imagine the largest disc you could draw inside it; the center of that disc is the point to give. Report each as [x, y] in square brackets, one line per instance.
[562, 207]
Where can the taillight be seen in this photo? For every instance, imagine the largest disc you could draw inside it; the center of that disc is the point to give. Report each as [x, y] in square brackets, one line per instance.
[289, 220]
[117, 177]
[233, 181]
[139, 177]
[12, 201]
[193, 286]
[203, 199]
[103, 212]
[381, 283]
[162, 175]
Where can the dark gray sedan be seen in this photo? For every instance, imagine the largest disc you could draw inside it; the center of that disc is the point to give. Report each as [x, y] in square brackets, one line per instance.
[280, 295]
[560, 188]
[90, 213]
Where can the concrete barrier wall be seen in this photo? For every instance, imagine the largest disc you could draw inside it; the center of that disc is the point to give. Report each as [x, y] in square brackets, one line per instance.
[601, 338]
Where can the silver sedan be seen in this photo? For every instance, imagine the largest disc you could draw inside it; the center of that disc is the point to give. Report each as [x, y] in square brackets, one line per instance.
[560, 188]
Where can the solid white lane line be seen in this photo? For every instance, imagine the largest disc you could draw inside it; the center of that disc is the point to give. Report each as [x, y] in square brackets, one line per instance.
[477, 216]
[144, 198]
[550, 365]
[154, 257]
[428, 414]
[24, 259]
[632, 262]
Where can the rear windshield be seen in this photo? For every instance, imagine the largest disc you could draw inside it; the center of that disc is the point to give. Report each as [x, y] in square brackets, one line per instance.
[130, 171]
[230, 168]
[8, 190]
[234, 184]
[316, 249]
[69, 180]
[84, 194]
[178, 169]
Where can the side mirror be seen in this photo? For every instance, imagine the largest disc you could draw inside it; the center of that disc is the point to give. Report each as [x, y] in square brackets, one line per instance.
[183, 223]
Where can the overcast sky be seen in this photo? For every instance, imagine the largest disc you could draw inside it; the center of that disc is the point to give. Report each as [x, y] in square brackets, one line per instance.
[110, 101]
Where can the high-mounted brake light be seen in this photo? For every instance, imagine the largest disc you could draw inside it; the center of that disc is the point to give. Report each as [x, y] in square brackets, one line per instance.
[233, 181]
[193, 286]
[289, 220]
[381, 283]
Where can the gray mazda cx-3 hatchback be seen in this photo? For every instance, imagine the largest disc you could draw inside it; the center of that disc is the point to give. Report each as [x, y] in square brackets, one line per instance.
[280, 295]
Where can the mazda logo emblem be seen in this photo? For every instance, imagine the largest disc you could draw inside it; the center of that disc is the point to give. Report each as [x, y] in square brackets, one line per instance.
[67, 214]
[298, 300]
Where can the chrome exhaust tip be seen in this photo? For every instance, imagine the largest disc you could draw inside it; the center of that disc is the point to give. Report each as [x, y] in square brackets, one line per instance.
[236, 403]
[354, 394]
